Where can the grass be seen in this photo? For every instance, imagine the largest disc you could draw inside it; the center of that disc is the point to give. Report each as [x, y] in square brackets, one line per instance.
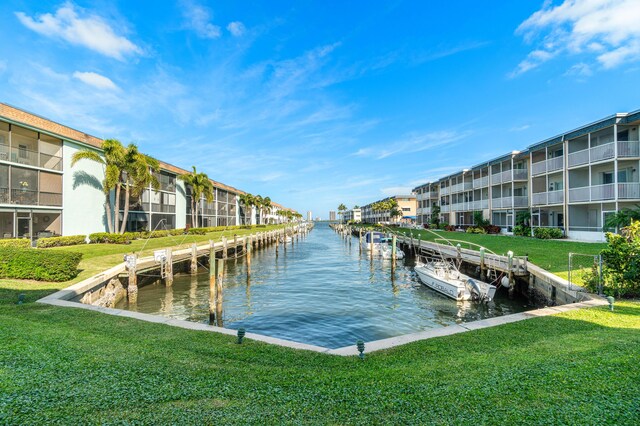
[552, 255]
[70, 366]
[98, 257]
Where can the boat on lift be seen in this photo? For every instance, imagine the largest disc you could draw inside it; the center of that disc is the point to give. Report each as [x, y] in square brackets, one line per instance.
[386, 246]
[372, 240]
[445, 278]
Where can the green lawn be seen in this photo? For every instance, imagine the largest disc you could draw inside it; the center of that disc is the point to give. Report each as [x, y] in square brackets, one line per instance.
[552, 255]
[71, 366]
[98, 257]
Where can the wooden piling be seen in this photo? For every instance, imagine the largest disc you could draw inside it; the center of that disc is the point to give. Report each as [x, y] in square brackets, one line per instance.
[132, 287]
[512, 282]
[169, 267]
[394, 250]
[218, 292]
[248, 250]
[225, 248]
[194, 259]
[483, 268]
[212, 283]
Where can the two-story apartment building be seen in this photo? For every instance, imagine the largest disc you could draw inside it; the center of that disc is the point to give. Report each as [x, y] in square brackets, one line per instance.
[571, 181]
[42, 194]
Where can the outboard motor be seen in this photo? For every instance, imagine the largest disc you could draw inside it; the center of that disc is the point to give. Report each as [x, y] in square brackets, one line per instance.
[476, 290]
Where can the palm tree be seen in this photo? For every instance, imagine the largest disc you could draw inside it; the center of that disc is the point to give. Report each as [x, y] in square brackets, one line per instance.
[248, 201]
[112, 163]
[341, 209]
[266, 204]
[201, 187]
[137, 174]
[622, 218]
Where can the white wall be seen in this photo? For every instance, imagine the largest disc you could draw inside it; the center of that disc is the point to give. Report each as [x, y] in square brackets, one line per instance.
[181, 205]
[82, 196]
[587, 236]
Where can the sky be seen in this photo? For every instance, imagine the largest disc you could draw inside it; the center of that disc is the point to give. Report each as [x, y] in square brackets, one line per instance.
[317, 103]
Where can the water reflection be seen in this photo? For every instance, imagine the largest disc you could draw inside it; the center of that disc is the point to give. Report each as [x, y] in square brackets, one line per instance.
[320, 289]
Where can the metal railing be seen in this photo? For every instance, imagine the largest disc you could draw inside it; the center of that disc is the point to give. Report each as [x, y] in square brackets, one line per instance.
[629, 149]
[481, 182]
[496, 178]
[592, 193]
[592, 155]
[520, 174]
[539, 168]
[629, 190]
[550, 197]
[520, 201]
[29, 197]
[30, 158]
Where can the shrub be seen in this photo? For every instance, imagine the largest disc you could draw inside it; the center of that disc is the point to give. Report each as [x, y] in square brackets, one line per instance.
[479, 220]
[476, 230]
[41, 265]
[492, 229]
[71, 240]
[443, 225]
[15, 242]
[522, 231]
[107, 238]
[547, 233]
[621, 260]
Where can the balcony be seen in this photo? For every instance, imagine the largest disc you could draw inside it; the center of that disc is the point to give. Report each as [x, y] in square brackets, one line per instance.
[520, 174]
[521, 201]
[592, 155]
[629, 191]
[496, 178]
[434, 195]
[502, 203]
[629, 149]
[539, 168]
[30, 158]
[446, 190]
[445, 209]
[456, 188]
[28, 197]
[592, 193]
[467, 186]
[163, 208]
[481, 182]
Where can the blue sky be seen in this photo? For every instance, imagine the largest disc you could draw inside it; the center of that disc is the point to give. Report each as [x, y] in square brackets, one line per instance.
[314, 103]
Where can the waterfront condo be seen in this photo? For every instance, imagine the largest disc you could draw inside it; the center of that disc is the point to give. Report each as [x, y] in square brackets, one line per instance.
[571, 181]
[42, 195]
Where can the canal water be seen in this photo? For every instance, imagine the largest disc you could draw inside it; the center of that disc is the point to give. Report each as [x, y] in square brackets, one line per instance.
[321, 291]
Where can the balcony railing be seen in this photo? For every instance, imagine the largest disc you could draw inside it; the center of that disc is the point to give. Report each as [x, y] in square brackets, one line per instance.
[539, 168]
[629, 191]
[467, 186]
[592, 193]
[481, 182]
[456, 188]
[30, 158]
[555, 163]
[628, 149]
[163, 208]
[445, 190]
[434, 195]
[29, 197]
[592, 155]
[445, 209]
[520, 174]
[496, 178]
[504, 202]
[521, 201]
[507, 176]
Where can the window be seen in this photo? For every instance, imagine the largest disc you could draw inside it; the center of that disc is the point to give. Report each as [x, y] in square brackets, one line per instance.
[607, 178]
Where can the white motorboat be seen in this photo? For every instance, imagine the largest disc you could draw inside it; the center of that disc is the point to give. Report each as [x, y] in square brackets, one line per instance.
[375, 238]
[387, 249]
[445, 278]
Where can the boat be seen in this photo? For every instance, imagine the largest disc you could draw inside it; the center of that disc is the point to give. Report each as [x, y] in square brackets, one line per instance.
[386, 248]
[445, 278]
[376, 238]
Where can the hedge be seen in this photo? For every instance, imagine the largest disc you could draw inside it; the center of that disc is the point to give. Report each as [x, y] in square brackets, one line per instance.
[71, 240]
[107, 238]
[547, 233]
[40, 265]
[202, 231]
[16, 242]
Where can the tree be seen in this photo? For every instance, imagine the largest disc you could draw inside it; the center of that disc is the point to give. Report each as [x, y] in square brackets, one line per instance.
[479, 220]
[356, 207]
[266, 205]
[622, 218]
[435, 214]
[138, 173]
[248, 201]
[201, 187]
[341, 209]
[621, 262]
[111, 161]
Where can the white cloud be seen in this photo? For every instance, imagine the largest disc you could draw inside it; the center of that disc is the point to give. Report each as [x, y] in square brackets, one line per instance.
[95, 80]
[520, 128]
[198, 19]
[412, 143]
[236, 28]
[579, 70]
[605, 28]
[90, 31]
[396, 190]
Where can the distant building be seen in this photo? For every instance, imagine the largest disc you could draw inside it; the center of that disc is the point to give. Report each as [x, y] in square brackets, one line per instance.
[309, 216]
[406, 204]
[332, 215]
[354, 215]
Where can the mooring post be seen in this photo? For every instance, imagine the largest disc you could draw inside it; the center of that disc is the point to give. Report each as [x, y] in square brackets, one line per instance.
[219, 278]
[169, 267]
[512, 287]
[371, 245]
[360, 239]
[212, 283]
[483, 271]
[132, 287]
[249, 242]
[194, 259]
[393, 249]
[224, 247]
